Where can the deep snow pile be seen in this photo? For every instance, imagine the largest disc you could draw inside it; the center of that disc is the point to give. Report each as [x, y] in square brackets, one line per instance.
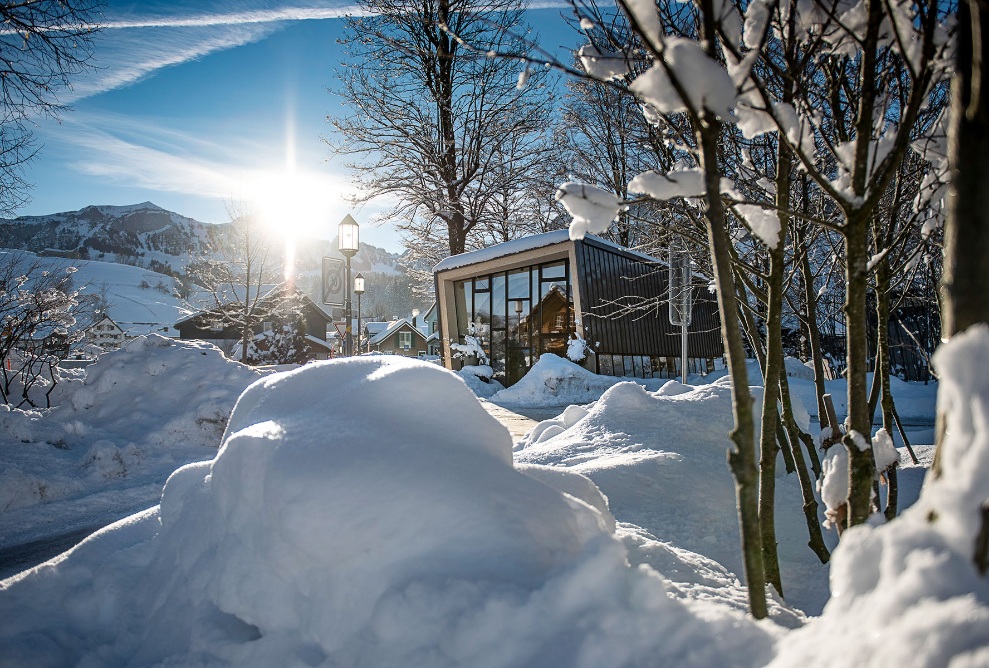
[915, 578]
[347, 521]
[554, 381]
[137, 414]
[659, 458]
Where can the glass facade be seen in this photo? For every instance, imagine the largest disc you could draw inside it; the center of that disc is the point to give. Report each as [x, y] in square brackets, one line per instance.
[517, 315]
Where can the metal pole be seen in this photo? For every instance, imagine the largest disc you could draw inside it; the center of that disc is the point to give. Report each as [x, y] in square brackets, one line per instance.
[683, 353]
[359, 323]
[348, 341]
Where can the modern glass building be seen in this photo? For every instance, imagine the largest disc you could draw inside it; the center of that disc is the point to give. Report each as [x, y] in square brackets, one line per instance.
[528, 297]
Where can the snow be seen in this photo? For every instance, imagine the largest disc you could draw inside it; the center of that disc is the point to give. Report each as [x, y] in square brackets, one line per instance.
[114, 435]
[682, 183]
[705, 83]
[593, 209]
[368, 511]
[317, 536]
[502, 250]
[602, 65]
[915, 576]
[135, 309]
[554, 381]
[763, 222]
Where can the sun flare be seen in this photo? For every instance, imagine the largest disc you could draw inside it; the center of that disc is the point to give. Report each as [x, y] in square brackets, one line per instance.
[294, 204]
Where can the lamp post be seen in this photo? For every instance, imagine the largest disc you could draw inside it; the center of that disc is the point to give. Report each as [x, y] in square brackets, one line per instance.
[358, 290]
[348, 242]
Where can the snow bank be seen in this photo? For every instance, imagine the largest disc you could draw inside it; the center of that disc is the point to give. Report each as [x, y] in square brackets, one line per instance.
[478, 379]
[915, 577]
[363, 512]
[138, 413]
[554, 381]
[659, 458]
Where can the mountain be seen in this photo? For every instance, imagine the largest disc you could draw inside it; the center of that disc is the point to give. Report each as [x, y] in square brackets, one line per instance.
[149, 236]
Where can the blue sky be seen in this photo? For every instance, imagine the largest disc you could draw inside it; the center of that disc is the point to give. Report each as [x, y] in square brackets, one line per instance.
[198, 104]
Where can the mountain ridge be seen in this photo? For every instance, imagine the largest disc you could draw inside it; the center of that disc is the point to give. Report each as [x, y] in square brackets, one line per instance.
[155, 238]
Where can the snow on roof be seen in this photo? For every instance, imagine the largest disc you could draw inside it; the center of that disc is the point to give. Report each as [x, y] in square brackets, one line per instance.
[503, 249]
[393, 327]
[317, 341]
[375, 327]
[530, 243]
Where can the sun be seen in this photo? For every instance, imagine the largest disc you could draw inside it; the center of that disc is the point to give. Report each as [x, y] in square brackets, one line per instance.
[294, 203]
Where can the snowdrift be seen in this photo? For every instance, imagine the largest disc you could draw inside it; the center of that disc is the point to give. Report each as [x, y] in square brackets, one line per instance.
[660, 459]
[139, 413]
[363, 512]
[554, 381]
[915, 577]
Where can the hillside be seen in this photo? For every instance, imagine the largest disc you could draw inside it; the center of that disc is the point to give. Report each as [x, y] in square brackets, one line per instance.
[134, 254]
[149, 236]
[139, 300]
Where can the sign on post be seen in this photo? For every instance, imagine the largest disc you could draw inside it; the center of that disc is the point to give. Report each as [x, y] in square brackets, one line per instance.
[334, 282]
[681, 299]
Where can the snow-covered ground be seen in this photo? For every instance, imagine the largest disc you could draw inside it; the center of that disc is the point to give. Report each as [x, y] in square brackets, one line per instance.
[140, 301]
[369, 512]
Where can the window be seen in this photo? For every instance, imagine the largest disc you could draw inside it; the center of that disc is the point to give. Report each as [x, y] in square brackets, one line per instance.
[405, 340]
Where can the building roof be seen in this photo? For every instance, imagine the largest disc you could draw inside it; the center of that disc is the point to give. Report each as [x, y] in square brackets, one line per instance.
[218, 308]
[316, 341]
[105, 317]
[524, 244]
[503, 249]
[393, 327]
[375, 327]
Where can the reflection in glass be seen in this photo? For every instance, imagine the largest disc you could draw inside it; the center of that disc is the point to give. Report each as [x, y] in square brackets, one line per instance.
[498, 311]
[518, 315]
[498, 355]
[518, 284]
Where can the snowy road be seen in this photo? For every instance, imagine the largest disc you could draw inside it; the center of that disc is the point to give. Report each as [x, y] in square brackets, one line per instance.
[15, 559]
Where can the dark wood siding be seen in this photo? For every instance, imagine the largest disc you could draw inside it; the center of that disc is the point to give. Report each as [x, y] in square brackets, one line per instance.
[609, 279]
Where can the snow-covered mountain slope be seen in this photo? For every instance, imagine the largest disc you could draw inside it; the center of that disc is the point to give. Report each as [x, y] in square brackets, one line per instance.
[154, 238]
[139, 300]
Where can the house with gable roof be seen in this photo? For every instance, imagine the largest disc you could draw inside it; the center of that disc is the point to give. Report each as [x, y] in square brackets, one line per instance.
[398, 337]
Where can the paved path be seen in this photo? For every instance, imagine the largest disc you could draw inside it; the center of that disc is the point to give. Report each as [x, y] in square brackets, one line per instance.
[520, 419]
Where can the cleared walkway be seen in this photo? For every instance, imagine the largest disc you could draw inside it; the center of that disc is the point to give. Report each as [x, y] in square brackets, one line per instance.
[520, 419]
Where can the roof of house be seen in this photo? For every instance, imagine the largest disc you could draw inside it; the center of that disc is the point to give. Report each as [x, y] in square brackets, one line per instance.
[214, 308]
[316, 341]
[393, 327]
[105, 317]
[375, 327]
[535, 241]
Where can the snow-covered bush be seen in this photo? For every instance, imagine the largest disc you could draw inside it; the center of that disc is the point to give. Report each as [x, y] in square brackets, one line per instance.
[577, 349]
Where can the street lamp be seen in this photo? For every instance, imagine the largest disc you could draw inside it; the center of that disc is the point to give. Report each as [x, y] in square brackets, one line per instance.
[358, 290]
[348, 242]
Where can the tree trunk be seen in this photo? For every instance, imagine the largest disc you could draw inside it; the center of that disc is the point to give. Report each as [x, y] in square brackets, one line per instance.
[965, 282]
[861, 464]
[771, 374]
[882, 374]
[813, 334]
[810, 506]
[741, 459]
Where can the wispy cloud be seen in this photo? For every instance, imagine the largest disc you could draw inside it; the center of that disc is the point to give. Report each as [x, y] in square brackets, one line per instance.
[133, 47]
[141, 154]
[234, 18]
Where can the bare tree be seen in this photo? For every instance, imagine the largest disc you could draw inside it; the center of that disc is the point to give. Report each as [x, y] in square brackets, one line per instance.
[42, 44]
[38, 311]
[243, 277]
[431, 121]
